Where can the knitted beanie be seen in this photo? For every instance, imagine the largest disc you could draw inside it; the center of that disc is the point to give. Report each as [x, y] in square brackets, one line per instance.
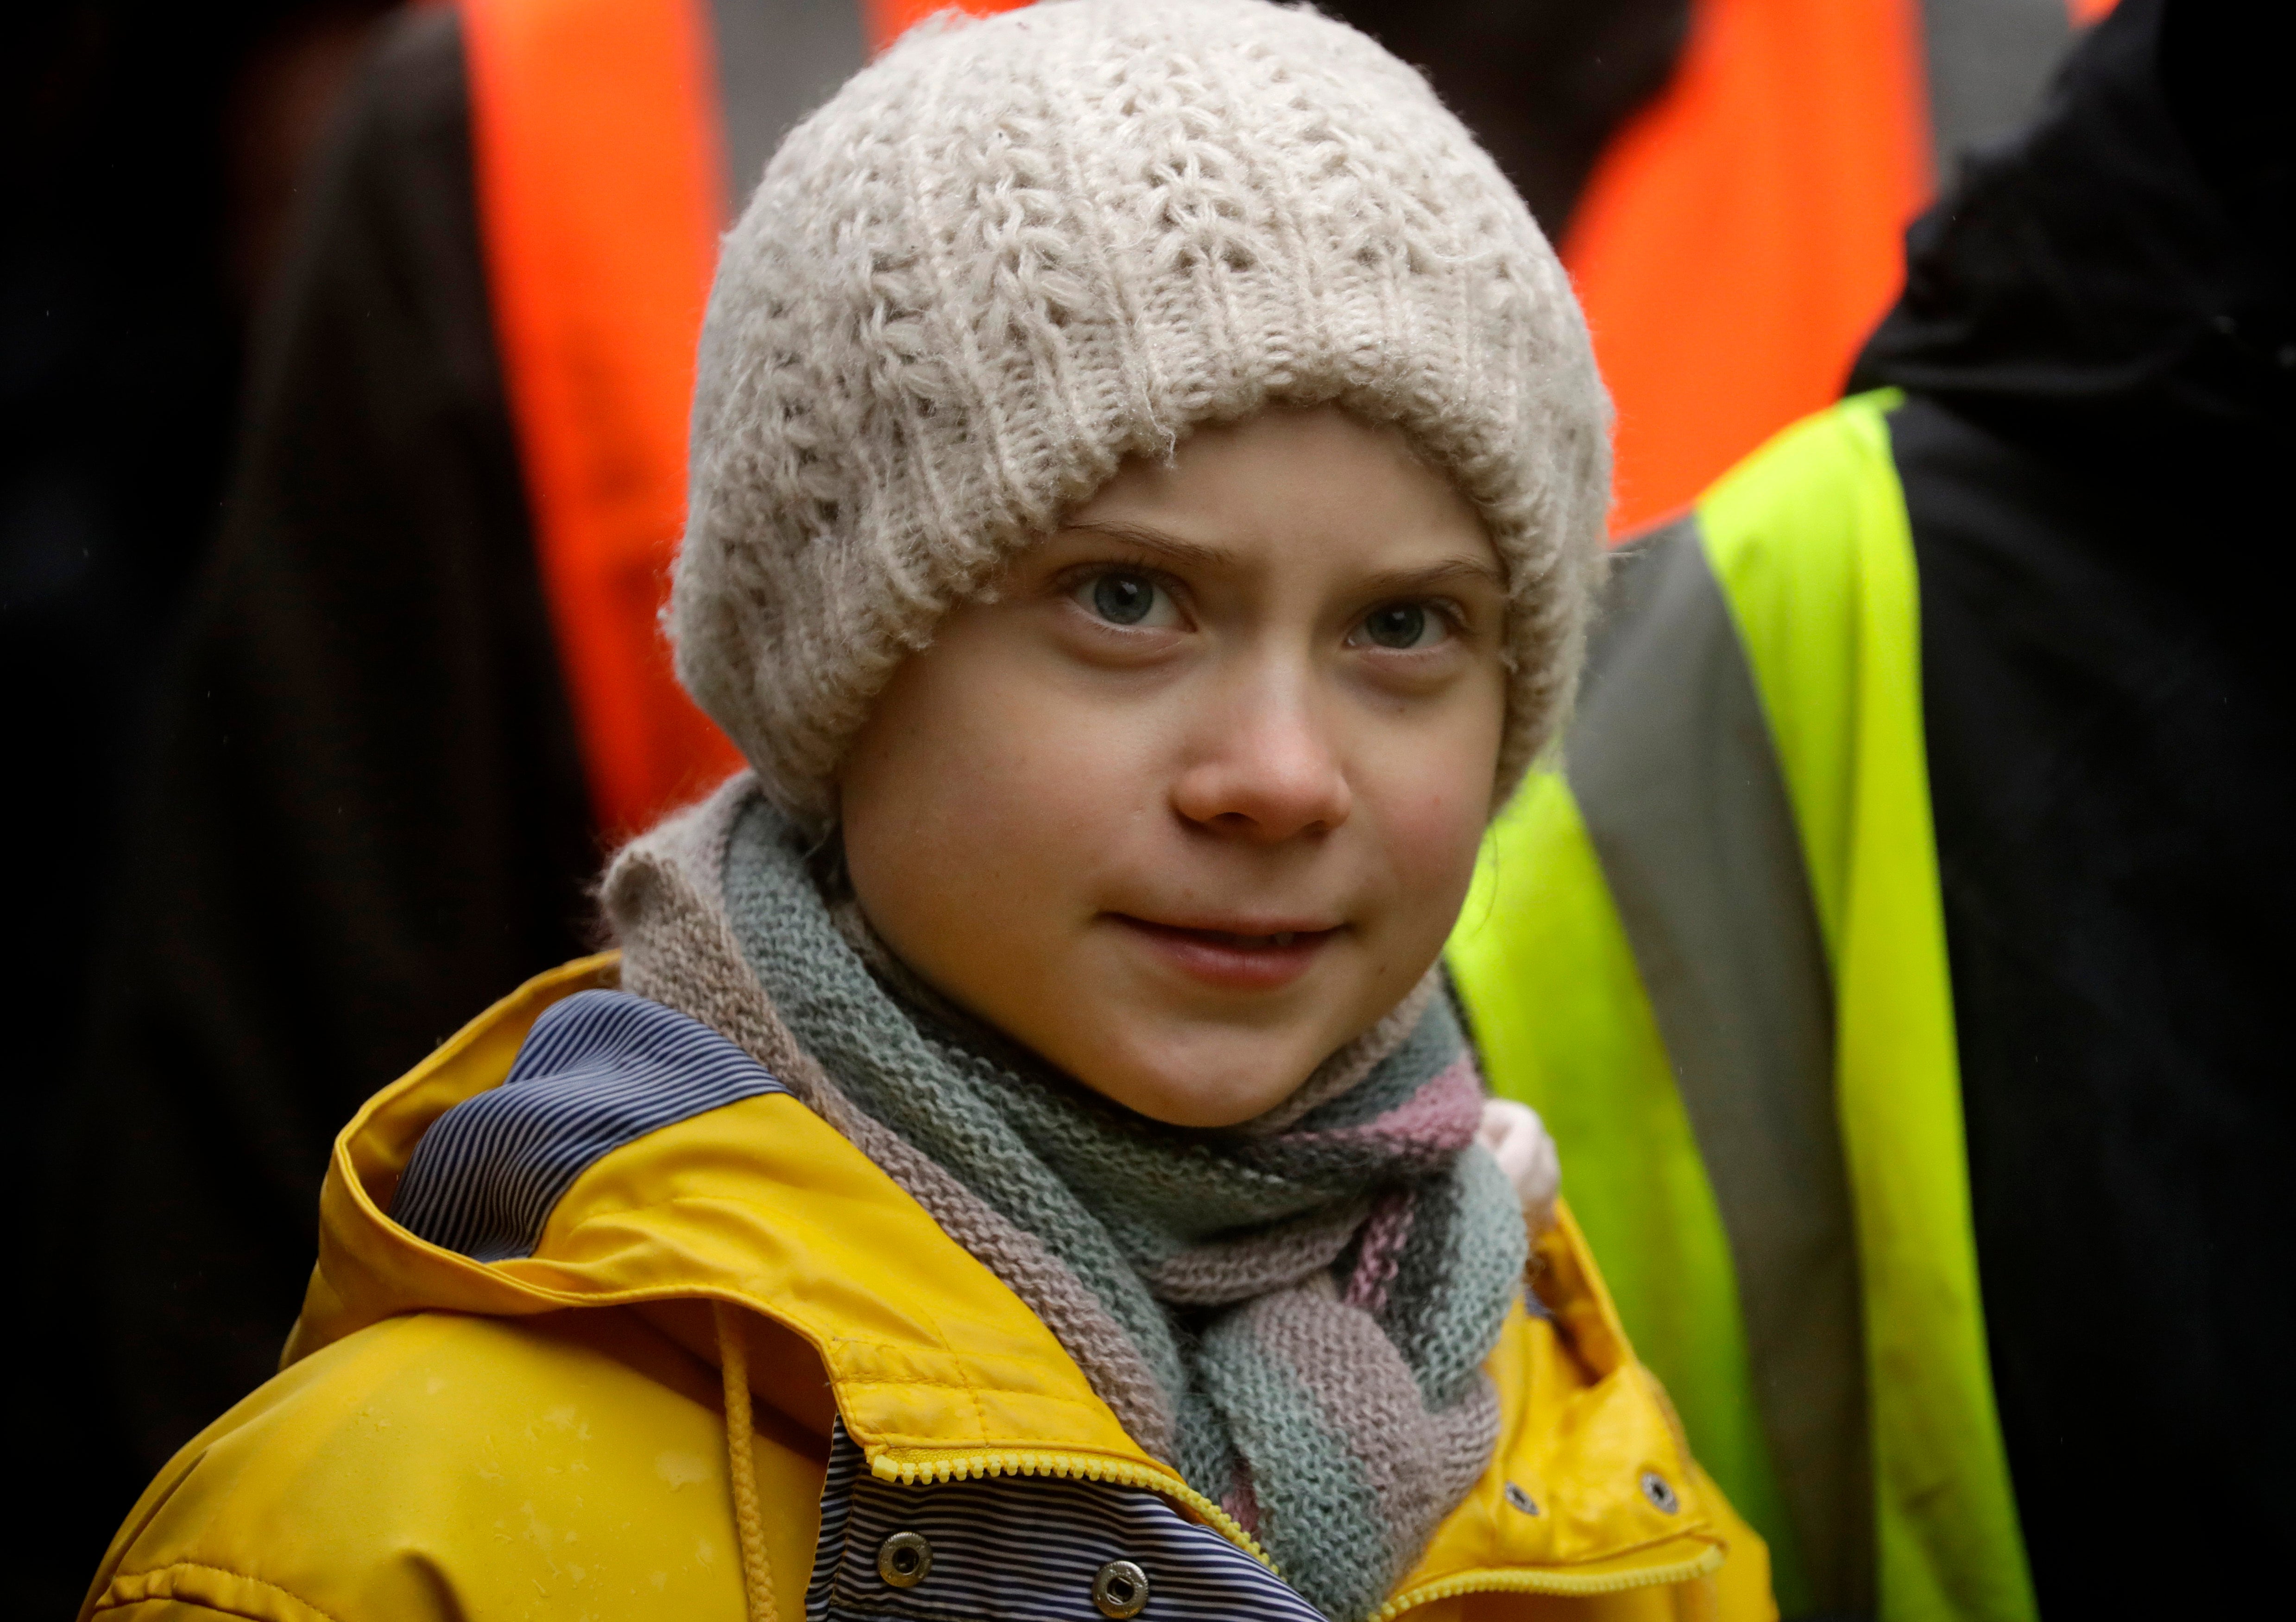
[1012, 253]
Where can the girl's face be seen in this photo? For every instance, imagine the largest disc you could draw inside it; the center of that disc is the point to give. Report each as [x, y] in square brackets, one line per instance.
[1196, 798]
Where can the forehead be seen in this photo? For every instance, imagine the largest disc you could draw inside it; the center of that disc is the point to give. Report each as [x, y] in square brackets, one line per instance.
[1285, 482]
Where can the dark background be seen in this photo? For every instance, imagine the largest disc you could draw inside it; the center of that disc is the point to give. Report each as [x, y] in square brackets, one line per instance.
[154, 154]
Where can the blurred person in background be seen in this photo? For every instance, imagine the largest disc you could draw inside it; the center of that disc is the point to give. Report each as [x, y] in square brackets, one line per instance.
[154, 156]
[1914, 862]
[420, 693]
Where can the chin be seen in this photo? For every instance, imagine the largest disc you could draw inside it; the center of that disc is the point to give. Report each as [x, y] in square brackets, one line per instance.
[1223, 1090]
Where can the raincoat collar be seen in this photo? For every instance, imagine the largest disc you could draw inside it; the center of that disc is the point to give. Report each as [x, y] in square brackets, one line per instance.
[936, 1369]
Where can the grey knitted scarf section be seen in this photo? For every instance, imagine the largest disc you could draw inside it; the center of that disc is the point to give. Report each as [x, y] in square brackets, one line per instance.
[1310, 1298]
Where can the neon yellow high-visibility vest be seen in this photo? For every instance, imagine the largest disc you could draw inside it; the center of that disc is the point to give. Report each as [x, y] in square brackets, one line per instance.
[1706, 944]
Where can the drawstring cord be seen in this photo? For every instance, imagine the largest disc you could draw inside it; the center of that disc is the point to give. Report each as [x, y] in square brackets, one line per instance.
[749, 1519]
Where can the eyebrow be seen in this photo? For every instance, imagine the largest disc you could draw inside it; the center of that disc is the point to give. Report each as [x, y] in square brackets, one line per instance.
[1402, 582]
[1154, 540]
[1392, 582]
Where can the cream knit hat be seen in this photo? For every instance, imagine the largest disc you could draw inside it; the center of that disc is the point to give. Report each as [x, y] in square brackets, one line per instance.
[1012, 252]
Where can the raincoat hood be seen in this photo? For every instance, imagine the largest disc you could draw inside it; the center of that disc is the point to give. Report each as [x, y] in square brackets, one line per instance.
[759, 1205]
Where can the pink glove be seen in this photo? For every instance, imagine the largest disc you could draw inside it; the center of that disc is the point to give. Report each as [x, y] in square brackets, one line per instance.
[1518, 1140]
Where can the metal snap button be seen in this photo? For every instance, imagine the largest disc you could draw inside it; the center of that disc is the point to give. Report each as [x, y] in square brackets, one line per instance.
[1120, 1589]
[1660, 1495]
[1521, 1499]
[904, 1559]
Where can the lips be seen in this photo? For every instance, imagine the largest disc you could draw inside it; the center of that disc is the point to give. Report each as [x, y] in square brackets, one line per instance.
[1262, 956]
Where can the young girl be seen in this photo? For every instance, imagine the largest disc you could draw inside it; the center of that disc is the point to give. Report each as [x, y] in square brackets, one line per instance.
[1022, 1161]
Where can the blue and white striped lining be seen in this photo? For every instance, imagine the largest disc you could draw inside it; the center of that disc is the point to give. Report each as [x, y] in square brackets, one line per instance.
[600, 1069]
[1025, 1549]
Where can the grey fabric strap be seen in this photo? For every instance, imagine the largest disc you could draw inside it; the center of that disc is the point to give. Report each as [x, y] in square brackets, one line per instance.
[1673, 768]
[777, 60]
[1988, 62]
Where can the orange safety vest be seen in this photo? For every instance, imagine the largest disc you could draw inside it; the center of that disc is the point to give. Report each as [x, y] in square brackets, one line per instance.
[601, 188]
[1741, 236]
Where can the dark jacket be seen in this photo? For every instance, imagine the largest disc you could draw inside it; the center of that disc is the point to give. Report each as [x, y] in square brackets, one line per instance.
[2098, 343]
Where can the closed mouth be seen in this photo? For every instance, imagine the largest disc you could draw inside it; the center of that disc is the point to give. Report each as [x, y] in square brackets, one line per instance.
[1244, 959]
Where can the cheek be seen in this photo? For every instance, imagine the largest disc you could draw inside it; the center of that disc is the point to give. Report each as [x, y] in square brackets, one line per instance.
[1431, 798]
[978, 802]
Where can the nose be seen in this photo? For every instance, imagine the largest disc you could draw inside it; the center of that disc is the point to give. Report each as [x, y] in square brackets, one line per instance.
[1264, 767]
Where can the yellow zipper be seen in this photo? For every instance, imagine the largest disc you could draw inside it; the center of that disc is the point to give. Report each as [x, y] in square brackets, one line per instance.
[1088, 1466]
[1094, 1468]
[1578, 1584]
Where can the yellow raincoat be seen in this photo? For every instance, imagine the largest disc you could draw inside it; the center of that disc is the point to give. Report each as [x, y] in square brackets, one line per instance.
[572, 1434]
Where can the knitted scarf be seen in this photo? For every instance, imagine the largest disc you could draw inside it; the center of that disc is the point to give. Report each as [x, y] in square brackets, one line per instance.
[1294, 1313]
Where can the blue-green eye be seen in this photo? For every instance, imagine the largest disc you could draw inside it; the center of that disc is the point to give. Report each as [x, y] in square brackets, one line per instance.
[1123, 599]
[1400, 625]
